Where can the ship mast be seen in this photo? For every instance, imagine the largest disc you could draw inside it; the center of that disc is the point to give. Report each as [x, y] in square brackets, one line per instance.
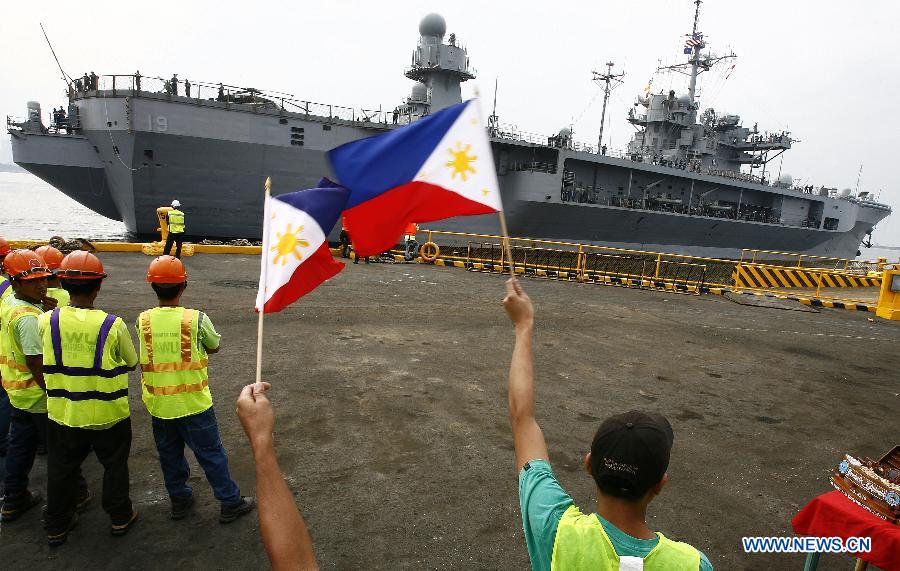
[695, 56]
[611, 81]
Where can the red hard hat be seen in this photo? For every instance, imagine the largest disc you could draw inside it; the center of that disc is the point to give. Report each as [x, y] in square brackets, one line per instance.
[4, 246]
[166, 270]
[80, 265]
[25, 265]
[51, 256]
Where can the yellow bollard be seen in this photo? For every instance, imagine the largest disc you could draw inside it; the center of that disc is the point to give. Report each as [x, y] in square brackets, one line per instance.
[162, 215]
[889, 298]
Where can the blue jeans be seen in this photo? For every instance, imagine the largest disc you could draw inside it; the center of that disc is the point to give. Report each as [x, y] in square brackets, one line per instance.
[4, 419]
[27, 430]
[201, 433]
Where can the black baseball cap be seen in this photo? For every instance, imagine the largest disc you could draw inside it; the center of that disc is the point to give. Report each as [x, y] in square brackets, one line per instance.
[630, 453]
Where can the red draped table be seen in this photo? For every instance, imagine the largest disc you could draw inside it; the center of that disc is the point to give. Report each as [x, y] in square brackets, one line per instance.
[834, 515]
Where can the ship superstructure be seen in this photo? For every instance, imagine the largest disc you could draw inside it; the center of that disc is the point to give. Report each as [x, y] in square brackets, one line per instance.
[129, 143]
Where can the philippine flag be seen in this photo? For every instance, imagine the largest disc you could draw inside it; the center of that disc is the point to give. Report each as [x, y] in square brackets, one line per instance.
[295, 254]
[438, 167]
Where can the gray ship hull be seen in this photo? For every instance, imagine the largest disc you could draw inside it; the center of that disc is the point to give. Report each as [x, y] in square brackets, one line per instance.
[214, 158]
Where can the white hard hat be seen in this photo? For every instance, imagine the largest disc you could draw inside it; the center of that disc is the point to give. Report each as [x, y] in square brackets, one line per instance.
[175, 204]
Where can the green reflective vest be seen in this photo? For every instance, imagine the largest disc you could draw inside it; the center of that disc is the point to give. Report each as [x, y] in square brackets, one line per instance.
[582, 543]
[174, 376]
[19, 383]
[87, 385]
[59, 294]
[176, 221]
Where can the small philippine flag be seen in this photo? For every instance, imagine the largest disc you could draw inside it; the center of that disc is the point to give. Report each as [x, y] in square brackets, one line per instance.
[295, 253]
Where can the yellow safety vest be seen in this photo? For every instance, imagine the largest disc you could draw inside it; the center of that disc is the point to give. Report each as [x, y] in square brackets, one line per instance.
[176, 221]
[173, 362]
[86, 384]
[59, 294]
[5, 288]
[582, 543]
[19, 383]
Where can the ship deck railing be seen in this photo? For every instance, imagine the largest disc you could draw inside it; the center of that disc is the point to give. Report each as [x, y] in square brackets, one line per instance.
[202, 92]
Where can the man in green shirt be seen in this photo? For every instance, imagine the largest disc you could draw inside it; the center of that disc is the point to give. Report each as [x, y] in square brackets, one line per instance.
[628, 461]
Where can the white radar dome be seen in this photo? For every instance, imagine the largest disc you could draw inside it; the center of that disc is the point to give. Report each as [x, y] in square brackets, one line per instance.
[785, 180]
[419, 92]
[845, 192]
[684, 99]
[565, 132]
[433, 25]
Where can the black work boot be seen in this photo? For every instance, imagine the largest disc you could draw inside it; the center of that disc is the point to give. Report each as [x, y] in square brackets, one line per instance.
[231, 513]
[119, 529]
[181, 507]
[14, 507]
[57, 538]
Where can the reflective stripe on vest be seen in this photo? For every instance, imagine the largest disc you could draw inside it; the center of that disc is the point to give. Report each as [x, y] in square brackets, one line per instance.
[5, 288]
[173, 374]
[19, 383]
[81, 396]
[582, 543]
[176, 221]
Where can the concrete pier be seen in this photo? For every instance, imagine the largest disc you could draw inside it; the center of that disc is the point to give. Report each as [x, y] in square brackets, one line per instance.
[390, 394]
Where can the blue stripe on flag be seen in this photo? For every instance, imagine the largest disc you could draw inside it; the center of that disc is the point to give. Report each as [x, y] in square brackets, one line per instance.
[323, 204]
[372, 166]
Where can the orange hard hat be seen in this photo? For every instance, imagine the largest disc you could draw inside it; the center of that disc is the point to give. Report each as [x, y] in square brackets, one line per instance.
[4, 246]
[25, 265]
[166, 270]
[80, 265]
[51, 256]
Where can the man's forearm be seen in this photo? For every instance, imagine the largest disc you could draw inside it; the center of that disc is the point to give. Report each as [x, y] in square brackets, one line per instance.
[284, 532]
[35, 364]
[521, 376]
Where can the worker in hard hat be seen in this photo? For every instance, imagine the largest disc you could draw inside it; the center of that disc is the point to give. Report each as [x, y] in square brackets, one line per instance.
[175, 219]
[87, 356]
[23, 380]
[52, 259]
[175, 389]
[5, 290]
[409, 239]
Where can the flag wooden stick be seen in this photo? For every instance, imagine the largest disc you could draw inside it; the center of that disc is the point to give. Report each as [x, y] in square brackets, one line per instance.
[506, 246]
[262, 312]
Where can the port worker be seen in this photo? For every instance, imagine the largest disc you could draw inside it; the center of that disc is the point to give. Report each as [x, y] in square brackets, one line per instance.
[87, 356]
[409, 239]
[22, 373]
[175, 220]
[5, 290]
[52, 259]
[174, 344]
[628, 460]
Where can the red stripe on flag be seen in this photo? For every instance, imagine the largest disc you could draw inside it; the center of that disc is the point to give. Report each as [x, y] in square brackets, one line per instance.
[375, 226]
[308, 275]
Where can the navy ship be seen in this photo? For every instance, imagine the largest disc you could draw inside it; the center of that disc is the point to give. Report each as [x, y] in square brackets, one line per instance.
[689, 182]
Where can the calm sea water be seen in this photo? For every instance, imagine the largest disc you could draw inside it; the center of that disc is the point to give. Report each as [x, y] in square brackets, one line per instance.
[32, 209]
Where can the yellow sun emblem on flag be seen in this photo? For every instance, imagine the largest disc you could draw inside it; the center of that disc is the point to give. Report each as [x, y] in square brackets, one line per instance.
[462, 161]
[288, 244]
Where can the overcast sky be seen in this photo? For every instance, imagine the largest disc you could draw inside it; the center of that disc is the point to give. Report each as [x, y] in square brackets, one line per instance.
[827, 70]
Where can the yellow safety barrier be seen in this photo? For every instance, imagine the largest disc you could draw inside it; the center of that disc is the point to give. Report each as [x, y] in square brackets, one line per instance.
[889, 296]
[766, 276]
